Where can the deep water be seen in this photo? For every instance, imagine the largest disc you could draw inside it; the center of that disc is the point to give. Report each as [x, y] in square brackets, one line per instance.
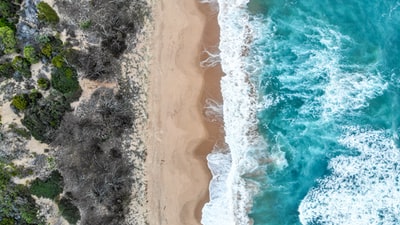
[327, 74]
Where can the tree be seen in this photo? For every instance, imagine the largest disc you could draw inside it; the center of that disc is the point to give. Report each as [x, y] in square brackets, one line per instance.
[34, 96]
[20, 101]
[43, 119]
[7, 40]
[50, 46]
[43, 83]
[48, 188]
[17, 205]
[6, 70]
[65, 80]
[30, 54]
[68, 210]
[47, 14]
[46, 50]
[5, 8]
[22, 66]
[58, 61]
[8, 9]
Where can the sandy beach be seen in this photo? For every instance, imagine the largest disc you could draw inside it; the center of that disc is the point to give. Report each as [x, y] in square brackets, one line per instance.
[180, 137]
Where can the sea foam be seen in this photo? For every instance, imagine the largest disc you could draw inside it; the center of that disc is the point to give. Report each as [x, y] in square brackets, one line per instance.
[361, 189]
[230, 193]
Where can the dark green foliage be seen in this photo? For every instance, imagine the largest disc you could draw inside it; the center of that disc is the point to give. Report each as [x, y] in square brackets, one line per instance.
[47, 14]
[7, 221]
[5, 175]
[43, 118]
[5, 8]
[6, 70]
[5, 23]
[65, 80]
[50, 46]
[7, 40]
[20, 102]
[8, 9]
[30, 54]
[43, 83]
[22, 66]
[58, 61]
[49, 188]
[68, 210]
[46, 50]
[16, 204]
[34, 96]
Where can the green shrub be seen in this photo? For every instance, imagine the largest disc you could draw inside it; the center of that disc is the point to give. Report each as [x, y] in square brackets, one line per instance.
[49, 188]
[30, 54]
[16, 204]
[50, 46]
[20, 101]
[5, 23]
[43, 119]
[5, 8]
[85, 24]
[58, 61]
[8, 221]
[5, 175]
[34, 96]
[65, 80]
[47, 14]
[29, 215]
[68, 210]
[22, 66]
[8, 9]
[46, 50]
[43, 83]
[6, 70]
[7, 40]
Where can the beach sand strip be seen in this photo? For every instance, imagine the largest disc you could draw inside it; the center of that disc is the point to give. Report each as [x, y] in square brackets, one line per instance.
[179, 136]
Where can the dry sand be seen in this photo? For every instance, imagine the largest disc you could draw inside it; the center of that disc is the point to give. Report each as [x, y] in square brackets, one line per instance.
[179, 136]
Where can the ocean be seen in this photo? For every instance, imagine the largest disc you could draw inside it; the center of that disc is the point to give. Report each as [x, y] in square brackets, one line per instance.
[311, 108]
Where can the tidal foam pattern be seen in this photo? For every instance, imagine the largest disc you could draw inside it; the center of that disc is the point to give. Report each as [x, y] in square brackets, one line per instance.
[362, 189]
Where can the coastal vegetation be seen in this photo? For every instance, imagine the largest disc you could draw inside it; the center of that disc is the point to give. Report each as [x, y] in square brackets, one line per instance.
[30, 54]
[22, 66]
[20, 101]
[91, 143]
[6, 70]
[40, 115]
[47, 14]
[87, 173]
[16, 203]
[7, 40]
[48, 188]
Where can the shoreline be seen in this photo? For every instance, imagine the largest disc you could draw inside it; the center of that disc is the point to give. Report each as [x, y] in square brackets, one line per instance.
[179, 135]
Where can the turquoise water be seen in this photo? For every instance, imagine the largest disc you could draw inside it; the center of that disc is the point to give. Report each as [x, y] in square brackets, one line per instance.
[311, 99]
[327, 74]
